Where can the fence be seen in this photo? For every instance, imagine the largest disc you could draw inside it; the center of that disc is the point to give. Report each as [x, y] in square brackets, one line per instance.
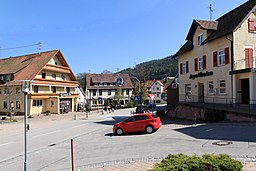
[236, 105]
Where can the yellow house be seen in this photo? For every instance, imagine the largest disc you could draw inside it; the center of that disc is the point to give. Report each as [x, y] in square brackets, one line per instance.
[53, 86]
[217, 63]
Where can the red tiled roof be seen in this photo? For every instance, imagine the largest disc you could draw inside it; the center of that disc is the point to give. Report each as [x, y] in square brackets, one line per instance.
[107, 78]
[26, 67]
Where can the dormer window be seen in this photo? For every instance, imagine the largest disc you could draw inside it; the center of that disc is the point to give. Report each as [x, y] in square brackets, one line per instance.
[199, 40]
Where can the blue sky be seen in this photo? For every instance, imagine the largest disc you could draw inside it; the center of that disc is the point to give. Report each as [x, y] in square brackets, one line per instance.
[95, 35]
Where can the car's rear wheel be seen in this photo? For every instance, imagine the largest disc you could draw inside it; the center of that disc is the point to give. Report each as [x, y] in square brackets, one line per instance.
[119, 131]
[149, 129]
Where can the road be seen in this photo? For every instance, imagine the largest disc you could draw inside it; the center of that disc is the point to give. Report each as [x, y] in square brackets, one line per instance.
[95, 144]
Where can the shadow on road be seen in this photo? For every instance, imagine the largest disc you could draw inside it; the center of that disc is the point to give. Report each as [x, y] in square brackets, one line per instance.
[127, 134]
[221, 131]
[115, 119]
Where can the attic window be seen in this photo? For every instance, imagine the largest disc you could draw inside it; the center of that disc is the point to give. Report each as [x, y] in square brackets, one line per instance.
[199, 40]
[251, 25]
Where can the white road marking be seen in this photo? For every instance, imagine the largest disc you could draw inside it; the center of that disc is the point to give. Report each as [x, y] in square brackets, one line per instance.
[46, 134]
[7, 143]
[208, 130]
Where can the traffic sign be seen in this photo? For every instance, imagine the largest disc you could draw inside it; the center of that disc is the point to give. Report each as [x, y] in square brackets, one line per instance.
[152, 96]
[136, 98]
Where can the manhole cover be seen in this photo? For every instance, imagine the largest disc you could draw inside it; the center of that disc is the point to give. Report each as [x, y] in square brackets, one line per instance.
[222, 143]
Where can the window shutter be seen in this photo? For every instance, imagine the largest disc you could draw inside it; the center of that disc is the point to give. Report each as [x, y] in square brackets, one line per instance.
[187, 67]
[248, 57]
[196, 64]
[204, 62]
[180, 68]
[227, 55]
[251, 25]
[215, 59]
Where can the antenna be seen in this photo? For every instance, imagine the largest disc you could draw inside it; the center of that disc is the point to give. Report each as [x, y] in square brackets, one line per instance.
[211, 11]
[39, 46]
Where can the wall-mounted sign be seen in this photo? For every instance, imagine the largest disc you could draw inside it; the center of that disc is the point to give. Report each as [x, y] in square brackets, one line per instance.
[201, 74]
[65, 94]
[119, 81]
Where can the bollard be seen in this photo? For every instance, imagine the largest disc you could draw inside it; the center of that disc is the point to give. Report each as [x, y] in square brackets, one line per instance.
[75, 117]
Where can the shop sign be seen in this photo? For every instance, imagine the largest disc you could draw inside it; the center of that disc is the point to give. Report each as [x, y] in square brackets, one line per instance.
[201, 74]
[65, 94]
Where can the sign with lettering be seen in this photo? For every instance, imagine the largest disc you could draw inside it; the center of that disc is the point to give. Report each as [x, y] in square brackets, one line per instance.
[65, 94]
[201, 74]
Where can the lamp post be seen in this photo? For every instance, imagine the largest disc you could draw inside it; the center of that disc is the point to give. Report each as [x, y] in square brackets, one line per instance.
[25, 90]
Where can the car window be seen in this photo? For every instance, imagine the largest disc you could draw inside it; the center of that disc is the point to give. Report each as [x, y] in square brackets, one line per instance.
[141, 117]
[154, 116]
[131, 119]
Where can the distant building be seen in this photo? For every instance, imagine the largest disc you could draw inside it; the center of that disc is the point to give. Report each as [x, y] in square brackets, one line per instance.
[155, 87]
[107, 89]
[53, 85]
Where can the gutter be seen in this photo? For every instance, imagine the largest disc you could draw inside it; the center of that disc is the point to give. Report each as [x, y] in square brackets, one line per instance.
[232, 64]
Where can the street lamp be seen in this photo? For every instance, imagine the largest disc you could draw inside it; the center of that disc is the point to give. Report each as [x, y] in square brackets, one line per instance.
[25, 89]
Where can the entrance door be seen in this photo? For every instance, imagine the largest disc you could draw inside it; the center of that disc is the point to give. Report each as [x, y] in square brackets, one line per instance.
[201, 92]
[245, 91]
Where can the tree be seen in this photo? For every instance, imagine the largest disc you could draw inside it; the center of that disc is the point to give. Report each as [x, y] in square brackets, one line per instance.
[118, 94]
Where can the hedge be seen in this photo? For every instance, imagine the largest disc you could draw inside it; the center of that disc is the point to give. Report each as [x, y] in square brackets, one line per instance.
[208, 162]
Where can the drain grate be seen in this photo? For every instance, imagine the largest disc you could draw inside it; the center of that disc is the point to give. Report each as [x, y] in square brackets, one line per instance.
[222, 143]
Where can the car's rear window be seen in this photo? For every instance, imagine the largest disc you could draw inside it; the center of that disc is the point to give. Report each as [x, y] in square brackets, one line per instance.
[154, 116]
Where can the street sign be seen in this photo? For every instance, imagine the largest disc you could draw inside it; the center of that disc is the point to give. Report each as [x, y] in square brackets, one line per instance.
[152, 96]
[100, 100]
[136, 98]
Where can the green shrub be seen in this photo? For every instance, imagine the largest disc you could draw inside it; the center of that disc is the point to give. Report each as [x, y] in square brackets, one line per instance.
[214, 115]
[208, 162]
[130, 104]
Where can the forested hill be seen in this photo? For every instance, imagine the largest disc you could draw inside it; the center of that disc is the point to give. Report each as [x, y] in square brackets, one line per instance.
[155, 69]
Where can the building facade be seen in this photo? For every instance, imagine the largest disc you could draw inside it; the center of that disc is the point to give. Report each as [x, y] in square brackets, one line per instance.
[156, 89]
[107, 89]
[53, 86]
[217, 63]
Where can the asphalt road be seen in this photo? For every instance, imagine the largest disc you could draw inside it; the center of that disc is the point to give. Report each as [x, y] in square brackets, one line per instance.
[95, 144]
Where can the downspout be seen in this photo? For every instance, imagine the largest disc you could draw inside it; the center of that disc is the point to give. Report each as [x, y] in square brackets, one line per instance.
[232, 65]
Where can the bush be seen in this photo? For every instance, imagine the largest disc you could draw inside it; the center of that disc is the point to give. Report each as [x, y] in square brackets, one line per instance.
[208, 162]
[214, 115]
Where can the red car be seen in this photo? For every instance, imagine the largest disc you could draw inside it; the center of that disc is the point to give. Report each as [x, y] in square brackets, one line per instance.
[148, 122]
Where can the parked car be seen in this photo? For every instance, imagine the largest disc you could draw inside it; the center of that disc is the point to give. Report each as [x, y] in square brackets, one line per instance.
[148, 122]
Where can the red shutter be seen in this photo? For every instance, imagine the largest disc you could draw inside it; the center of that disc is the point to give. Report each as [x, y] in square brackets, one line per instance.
[251, 25]
[248, 57]
[187, 67]
[196, 64]
[227, 55]
[215, 63]
[204, 62]
[180, 68]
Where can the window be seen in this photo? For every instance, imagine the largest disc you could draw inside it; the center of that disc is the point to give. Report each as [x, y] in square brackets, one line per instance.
[251, 25]
[200, 39]
[1, 78]
[109, 92]
[18, 90]
[157, 88]
[188, 91]
[94, 92]
[63, 77]
[200, 63]
[37, 103]
[52, 103]
[43, 75]
[94, 102]
[6, 91]
[248, 57]
[211, 87]
[222, 87]
[221, 58]
[53, 89]
[100, 92]
[0, 91]
[35, 89]
[68, 89]
[17, 104]
[54, 76]
[5, 105]
[127, 92]
[184, 68]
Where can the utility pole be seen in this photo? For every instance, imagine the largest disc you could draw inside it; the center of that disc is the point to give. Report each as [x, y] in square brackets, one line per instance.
[211, 11]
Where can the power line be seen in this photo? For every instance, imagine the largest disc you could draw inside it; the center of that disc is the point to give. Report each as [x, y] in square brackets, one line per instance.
[39, 44]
